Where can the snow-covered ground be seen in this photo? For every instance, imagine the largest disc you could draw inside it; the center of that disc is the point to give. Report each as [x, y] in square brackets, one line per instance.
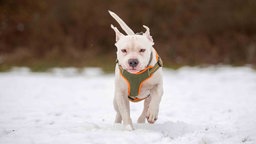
[215, 105]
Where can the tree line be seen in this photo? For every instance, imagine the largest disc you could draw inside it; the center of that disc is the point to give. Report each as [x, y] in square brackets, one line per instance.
[77, 32]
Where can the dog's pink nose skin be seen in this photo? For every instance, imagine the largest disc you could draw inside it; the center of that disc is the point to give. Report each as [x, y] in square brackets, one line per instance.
[133, 62]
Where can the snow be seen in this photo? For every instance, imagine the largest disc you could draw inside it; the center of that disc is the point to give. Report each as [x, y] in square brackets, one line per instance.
[214, 105]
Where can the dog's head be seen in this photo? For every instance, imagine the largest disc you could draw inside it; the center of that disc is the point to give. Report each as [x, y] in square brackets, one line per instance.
[133, 51]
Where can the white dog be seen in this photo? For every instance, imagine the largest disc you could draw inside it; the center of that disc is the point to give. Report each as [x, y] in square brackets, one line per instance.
[138, 74]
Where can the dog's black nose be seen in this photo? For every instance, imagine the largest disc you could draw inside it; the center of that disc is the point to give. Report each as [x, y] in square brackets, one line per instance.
[133, 62]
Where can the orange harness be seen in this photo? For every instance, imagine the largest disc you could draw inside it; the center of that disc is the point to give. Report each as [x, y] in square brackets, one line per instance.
[135, 81]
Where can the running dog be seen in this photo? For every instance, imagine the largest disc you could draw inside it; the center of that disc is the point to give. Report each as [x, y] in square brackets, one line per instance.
[138, 74]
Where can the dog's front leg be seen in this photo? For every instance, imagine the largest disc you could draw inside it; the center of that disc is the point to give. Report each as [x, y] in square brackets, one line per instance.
[118, 118]
[123, 106]
[142, 117]
[156, 95]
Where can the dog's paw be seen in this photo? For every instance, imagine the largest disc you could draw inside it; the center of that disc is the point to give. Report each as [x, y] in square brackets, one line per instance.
[128, 127]
[141, 119]
[152, 115]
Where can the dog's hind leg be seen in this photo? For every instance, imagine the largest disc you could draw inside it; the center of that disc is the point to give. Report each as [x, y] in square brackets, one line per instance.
[142, 117]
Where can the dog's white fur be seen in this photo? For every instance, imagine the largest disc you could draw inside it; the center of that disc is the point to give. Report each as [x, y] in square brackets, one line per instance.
[132, 44]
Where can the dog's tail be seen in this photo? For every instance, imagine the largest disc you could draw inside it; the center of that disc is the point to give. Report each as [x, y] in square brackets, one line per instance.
[123, 25]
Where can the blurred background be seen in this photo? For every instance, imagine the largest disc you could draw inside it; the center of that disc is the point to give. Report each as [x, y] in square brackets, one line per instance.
[42, 34]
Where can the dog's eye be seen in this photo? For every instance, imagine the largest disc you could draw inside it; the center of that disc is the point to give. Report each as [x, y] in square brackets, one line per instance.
[142, 50]
[124, 50]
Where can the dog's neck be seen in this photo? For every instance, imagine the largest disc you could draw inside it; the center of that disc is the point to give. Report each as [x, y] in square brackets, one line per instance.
[150, 59]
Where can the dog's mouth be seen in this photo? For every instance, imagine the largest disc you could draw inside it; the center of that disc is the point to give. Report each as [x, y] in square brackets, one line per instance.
[133, 70]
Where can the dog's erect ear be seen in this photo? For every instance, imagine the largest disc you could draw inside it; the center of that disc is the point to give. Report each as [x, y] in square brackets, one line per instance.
[118, 33]
[147, 34]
